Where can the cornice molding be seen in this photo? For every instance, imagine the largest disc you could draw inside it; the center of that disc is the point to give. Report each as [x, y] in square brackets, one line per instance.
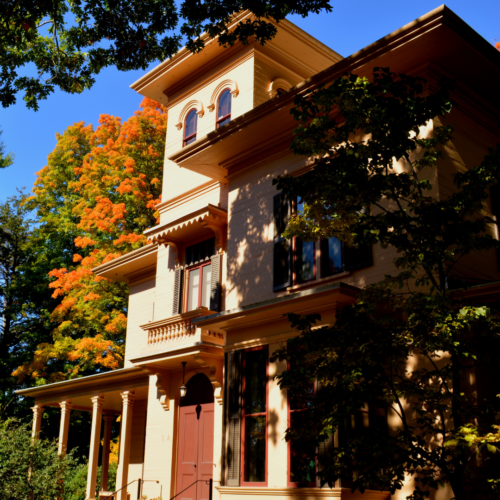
[128, 257]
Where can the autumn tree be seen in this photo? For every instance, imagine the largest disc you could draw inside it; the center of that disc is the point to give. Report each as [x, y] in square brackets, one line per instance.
[411, 343]
[70, 42]
[94, 199]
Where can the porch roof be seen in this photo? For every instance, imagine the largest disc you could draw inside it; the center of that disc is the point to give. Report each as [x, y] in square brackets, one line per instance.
[80, 390]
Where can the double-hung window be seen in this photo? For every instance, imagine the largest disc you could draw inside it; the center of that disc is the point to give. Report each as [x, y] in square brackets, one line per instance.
[304, 262]
[197, 284]
[224, 108]
[247, 417]
[199, 281]
[190, 127]
[297, 261]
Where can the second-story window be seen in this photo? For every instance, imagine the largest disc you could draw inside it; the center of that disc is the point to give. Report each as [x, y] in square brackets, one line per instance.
[199, 274]
[304, 255]
[296, 261]
[224, 108]
[190, 127]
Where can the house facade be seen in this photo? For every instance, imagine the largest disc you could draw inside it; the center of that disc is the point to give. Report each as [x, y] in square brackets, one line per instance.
[209, 291]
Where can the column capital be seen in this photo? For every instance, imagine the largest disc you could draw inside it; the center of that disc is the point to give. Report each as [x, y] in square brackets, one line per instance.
[97, 402]
[128, 398]
[66, 406]
[37, 410]
[108, 418]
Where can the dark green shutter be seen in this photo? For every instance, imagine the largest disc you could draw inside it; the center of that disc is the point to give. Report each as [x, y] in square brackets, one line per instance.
[215, 282]
[357, 258]
[177, 306]
[282, 275]
[233, 451]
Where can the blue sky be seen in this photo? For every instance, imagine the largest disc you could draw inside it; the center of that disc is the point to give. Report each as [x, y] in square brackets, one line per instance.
[351, 26]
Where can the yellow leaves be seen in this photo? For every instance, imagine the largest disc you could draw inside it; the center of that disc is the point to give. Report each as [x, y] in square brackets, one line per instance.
[77, 258]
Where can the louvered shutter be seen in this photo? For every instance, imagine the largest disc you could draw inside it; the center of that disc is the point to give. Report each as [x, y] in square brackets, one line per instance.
[233, 384]
[356, 258]
[215, 282]
[177, 305]
[282, 275]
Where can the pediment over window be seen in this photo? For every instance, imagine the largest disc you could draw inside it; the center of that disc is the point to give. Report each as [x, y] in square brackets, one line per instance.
[207, 221]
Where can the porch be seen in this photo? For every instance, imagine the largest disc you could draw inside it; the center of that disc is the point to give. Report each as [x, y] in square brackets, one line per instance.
[106, 396]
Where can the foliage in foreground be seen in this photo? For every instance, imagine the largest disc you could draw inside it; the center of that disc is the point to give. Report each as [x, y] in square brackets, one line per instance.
[93, 201]
[410, 345]
[70, 42]
[33, 469]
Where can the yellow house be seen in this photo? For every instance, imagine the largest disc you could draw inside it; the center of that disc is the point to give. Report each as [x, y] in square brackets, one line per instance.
[208, 294]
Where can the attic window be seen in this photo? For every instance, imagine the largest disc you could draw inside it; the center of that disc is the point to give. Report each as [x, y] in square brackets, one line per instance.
[190, 127]
[224, 108]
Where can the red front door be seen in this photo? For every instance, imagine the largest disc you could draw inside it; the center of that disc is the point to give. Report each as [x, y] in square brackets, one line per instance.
[196, 451]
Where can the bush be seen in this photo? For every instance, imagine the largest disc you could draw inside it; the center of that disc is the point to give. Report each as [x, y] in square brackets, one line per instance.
[34, 471]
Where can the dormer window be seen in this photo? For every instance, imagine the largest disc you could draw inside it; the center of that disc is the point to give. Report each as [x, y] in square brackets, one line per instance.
[224, 108]
[190, 127]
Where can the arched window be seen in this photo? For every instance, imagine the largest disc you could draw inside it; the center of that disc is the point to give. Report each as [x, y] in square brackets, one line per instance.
[190, 127]
[224, 108]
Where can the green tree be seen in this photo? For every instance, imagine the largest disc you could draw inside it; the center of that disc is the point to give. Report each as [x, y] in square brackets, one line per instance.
[6, 159]
[71, 41]
[25, 299]
[411, 342]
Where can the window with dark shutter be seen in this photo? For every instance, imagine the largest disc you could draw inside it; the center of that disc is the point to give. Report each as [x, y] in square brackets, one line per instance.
[215, 283]
[356, 258]
[233, 449]
[177, 292]
[282, 275]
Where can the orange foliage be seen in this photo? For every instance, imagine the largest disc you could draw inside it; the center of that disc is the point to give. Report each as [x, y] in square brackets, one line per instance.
[111, 180]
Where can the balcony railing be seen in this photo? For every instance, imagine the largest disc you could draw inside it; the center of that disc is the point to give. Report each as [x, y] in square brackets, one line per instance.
[177, 327]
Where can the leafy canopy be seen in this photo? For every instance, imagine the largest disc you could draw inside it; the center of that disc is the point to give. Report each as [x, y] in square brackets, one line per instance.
[94, 199]
[6, 159]
[410, 345]
[70, 42]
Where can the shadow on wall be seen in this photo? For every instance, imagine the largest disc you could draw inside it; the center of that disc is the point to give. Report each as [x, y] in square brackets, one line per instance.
[250, 238]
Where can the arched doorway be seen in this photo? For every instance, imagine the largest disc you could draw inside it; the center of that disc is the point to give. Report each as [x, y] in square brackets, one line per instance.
[196, 439]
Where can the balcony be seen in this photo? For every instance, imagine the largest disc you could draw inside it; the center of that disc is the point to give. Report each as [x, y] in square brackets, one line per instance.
[180, 328]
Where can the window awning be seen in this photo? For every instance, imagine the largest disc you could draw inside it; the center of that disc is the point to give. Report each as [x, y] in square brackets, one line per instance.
[209, 220]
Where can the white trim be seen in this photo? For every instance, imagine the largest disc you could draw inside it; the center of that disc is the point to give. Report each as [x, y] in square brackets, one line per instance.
[279, 83]
[225, 84]
[194, 104]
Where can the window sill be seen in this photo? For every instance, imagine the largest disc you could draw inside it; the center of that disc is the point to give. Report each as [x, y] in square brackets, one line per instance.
[314, 283]
[306, 493]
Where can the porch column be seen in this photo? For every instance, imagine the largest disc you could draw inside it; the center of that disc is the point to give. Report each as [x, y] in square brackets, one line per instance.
[37, 421]
[95, 438]
[108, 421]
[125, 435]
[64, 426]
